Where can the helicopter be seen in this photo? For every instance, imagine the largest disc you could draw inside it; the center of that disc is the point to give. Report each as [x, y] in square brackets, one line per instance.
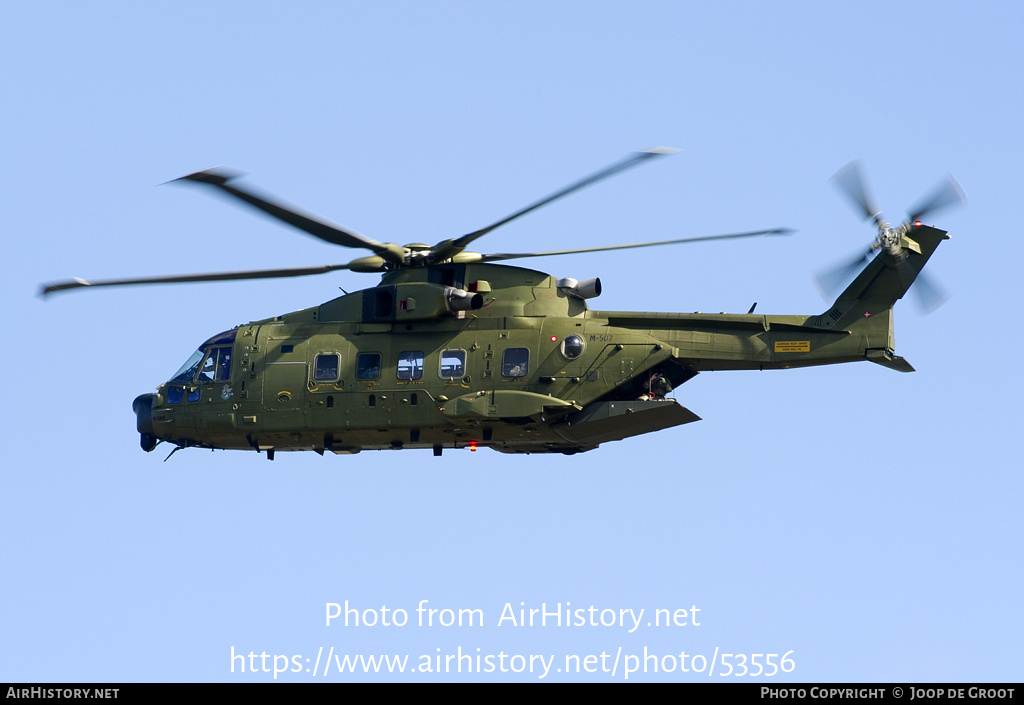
[451, 350]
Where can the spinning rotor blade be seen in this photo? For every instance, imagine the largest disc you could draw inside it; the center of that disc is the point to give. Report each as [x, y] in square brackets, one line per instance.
[221, 276]
[519, 255]
[850, 181]
[948, 193]
[387, 256]
[335, 234]
[829, 281]
[929, 294]
[896, 243]
[448, 248]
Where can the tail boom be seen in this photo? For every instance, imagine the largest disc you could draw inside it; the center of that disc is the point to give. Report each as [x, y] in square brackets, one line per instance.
[857, 327]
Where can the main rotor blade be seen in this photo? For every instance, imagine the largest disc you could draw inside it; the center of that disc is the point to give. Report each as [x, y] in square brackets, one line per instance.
[177, 279]
[448, 248]
[519, 255]
[850, 181]
[335, 234]
[947, 193]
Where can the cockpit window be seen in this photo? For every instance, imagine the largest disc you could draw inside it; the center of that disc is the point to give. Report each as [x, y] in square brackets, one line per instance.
[188, 370]
[213, 356]
[209, 367]
[216, 367]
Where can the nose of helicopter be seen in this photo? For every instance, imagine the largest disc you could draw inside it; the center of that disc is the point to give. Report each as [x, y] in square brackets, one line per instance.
[143, 408]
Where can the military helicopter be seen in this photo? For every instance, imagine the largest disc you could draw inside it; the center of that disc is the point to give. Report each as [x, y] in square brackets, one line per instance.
[450, 350]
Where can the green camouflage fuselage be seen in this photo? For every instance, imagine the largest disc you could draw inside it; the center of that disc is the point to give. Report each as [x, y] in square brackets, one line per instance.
[527, 368]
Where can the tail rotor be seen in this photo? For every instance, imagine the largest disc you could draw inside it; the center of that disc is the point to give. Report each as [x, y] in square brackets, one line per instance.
[895, 242]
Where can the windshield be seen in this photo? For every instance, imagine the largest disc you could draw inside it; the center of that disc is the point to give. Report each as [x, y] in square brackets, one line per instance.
[188, 370]
[212, 361]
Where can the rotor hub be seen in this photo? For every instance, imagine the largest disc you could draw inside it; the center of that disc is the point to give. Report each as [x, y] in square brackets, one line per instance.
[889, 238]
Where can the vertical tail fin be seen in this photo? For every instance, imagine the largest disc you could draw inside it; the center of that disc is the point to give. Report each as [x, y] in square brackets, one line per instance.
[885, 279]
[865, 306]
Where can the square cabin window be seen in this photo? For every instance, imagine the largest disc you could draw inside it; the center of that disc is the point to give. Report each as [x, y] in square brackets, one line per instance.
[515, 362]
[410, 364]
[368, 366]
[325, 367]
[453, 364]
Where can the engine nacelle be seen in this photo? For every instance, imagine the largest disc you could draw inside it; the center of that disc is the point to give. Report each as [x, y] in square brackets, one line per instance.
[588, 289]
[460, 300]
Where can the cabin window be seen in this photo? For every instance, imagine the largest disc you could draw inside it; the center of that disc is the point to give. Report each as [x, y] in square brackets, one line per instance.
[515, 362]
[368, 366]
[325, 367]
[453, 363]
[175, 394]
[410, 364]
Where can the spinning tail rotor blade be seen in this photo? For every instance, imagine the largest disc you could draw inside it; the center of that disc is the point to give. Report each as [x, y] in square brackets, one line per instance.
[829, 281]
[930, 295]
[948, 193]
[896, 243]
[850, 181]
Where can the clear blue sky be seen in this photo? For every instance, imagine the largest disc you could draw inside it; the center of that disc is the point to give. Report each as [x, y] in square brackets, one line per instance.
[867, 521]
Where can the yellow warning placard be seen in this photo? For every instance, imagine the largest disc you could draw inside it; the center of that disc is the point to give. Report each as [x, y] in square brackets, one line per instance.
[792, 346]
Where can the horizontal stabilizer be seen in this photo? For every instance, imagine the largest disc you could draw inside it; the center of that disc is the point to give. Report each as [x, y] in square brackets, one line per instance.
[887, 359]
